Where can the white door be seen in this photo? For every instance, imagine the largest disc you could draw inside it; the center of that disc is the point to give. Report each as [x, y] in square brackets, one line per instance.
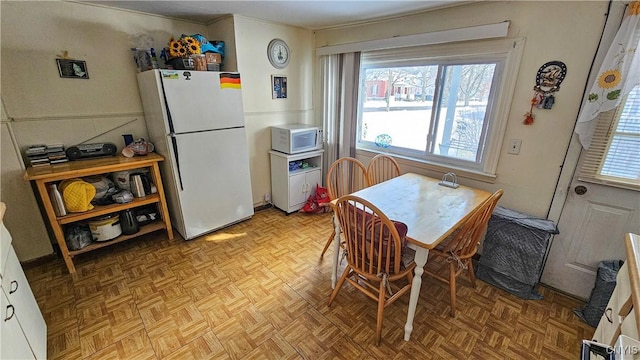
[592, 218]
[592, 228]
[596, 216]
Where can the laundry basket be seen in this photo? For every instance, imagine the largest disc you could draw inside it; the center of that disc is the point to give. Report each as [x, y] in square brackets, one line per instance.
[513, 251]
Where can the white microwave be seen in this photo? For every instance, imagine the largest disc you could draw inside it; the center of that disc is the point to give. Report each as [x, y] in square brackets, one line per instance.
[296, 138]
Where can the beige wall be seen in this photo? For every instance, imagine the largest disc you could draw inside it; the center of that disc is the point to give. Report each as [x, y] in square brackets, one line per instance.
[564, 31]
[261, 111]
[27, 229]
[223, 30]
[44, 108]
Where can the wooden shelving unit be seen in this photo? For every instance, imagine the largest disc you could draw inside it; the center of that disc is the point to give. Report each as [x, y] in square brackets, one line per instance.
[42, 176]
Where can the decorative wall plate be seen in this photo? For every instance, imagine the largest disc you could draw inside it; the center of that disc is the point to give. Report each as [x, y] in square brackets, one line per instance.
[550, 76]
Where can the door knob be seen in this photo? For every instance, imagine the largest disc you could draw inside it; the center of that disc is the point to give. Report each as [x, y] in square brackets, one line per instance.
[580, 190]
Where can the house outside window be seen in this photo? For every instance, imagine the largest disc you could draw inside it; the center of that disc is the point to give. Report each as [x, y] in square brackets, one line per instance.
[444, 106]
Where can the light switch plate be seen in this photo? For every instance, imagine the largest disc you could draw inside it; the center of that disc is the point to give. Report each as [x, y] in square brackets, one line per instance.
[514, 146]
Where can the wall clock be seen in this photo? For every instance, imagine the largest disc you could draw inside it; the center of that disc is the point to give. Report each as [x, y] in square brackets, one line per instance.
[278, 53]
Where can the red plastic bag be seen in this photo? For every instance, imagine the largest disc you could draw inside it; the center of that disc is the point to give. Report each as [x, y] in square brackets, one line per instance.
[318, 202]
[322, 195]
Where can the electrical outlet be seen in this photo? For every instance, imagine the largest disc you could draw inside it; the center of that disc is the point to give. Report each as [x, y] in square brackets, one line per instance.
[267, 198]
[514, 146]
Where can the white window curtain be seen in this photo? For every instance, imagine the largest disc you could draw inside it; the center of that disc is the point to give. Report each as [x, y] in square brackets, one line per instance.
[619, 73]
[340, 81]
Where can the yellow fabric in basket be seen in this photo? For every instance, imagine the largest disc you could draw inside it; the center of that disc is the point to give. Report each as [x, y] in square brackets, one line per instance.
[77, 195]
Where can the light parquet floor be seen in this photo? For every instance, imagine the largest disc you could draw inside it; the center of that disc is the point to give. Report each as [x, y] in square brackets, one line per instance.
[258, 290]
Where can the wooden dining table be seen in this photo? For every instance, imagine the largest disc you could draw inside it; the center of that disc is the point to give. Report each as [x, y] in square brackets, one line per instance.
[430, 211]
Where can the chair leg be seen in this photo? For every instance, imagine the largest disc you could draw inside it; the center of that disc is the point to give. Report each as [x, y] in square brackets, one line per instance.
[380, 312]
[326, 246]
[452, 287]
[472, 275]
[341, 281]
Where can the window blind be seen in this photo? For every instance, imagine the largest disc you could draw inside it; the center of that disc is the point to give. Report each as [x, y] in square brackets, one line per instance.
[614, 155]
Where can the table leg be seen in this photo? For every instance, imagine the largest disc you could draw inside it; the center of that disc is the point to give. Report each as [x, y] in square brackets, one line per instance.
[421, 261]
[336, 252]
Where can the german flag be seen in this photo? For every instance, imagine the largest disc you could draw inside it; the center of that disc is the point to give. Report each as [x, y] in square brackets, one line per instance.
[230, 81]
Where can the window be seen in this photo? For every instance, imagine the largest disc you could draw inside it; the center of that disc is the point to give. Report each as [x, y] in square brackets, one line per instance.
[614, 155]
[444, 105]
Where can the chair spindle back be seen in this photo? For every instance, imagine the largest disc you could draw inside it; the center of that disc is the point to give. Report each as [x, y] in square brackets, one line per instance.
[382, 168]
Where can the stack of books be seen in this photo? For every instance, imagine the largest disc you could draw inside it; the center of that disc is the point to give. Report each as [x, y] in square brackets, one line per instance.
[43, 155]
[37, 155]
[56, 154]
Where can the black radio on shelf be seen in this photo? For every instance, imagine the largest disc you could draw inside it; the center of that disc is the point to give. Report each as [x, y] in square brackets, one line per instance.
[88, 151]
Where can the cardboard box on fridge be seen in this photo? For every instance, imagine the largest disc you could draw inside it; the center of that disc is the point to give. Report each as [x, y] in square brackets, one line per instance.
[213, 58]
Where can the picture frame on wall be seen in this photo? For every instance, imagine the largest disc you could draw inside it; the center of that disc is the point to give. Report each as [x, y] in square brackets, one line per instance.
[279, 86]
[72, 69]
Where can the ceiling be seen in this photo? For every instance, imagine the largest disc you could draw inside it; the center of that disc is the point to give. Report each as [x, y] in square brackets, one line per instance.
[310, 14]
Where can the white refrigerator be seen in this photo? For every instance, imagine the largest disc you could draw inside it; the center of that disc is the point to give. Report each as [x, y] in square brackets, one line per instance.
[195, 120]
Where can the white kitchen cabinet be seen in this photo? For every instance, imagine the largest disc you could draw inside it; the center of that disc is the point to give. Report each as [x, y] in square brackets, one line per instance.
[629, 326]
[618, 326]
[23, 332]
[290, 189]
[13, 342]
[302, 186]
[617, 309]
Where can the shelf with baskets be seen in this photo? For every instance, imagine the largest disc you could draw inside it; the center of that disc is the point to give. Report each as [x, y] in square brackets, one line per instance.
[54, 174]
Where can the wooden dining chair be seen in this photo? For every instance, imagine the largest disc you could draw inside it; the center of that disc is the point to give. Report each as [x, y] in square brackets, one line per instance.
[376, 256]
[459, 248]
[382, 168]
[345, 176]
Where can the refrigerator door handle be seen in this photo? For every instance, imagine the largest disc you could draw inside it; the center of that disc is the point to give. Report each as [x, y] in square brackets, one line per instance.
[174, 143]
[166, 104]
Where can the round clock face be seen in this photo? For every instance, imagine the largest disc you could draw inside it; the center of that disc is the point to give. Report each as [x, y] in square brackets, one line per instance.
[278, 53]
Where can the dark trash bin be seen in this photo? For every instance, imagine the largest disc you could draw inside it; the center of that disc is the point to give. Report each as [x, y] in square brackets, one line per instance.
[514, 250]
[601, 293]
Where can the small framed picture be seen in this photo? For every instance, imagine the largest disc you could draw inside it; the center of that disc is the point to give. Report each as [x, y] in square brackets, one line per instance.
[75, 69]
[279, 86]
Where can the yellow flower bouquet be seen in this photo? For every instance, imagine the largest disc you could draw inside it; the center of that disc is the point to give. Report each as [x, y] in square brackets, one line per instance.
[182, 51]
[183, 47]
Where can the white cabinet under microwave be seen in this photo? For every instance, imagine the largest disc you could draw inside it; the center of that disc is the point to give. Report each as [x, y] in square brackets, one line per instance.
[296, 138]
[291, 185]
